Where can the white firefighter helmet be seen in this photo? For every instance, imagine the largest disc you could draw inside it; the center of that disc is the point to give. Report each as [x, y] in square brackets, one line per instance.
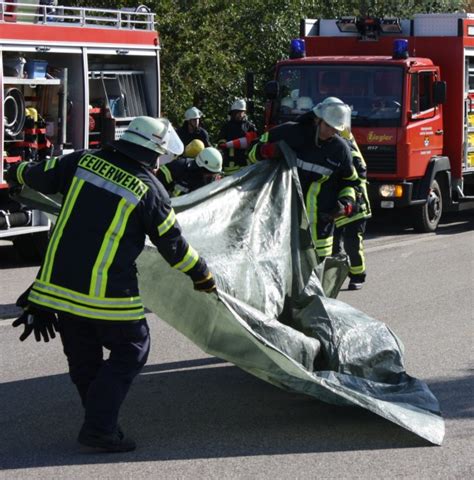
[210, 159]
[334, 112]
[155, 134]
[192, 113]
[305, 104]
[287, 102]
[239, 105]
[193, 148]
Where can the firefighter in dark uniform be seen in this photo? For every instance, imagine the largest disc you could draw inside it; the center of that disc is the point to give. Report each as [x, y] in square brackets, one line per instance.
[237, 127]
[186, 174]
[191, 129]
[324, 164]
[350, 231]
[88, 278]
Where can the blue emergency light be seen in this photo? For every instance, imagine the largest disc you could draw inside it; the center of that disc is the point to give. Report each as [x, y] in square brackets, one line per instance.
[297, 48]
[400, 48]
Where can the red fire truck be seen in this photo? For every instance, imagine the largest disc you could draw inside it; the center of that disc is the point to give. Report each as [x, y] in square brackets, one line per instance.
[410, 84]
[71, 78]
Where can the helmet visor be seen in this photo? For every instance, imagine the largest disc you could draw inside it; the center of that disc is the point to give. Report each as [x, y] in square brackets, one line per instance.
[171, 141]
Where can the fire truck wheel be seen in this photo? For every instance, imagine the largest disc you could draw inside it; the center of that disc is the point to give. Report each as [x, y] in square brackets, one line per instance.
[31, 247]
[426, 217]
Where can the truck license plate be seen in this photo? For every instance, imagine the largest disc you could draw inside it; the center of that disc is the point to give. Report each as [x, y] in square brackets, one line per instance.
[387, 204]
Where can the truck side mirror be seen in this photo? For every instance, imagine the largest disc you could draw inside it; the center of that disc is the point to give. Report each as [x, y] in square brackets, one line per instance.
[439, 92]
[250, 84]
[272, 89]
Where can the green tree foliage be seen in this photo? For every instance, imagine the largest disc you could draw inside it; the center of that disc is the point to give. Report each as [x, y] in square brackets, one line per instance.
[209, 45]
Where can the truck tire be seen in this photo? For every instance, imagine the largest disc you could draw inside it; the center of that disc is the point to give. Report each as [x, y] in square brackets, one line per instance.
[31, 247]
[426, 217]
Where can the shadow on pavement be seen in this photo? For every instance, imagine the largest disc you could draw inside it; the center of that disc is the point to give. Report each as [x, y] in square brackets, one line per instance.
[455, 395]
[194, 409]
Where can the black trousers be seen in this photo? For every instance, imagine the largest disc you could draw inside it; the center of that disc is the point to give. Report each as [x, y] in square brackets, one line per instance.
[352, 237]
[103, 383]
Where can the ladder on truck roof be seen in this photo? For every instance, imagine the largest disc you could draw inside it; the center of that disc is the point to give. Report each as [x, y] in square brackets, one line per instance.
[32, 12]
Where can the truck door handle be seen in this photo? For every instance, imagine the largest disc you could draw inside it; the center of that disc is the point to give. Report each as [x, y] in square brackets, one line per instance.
[439, 132]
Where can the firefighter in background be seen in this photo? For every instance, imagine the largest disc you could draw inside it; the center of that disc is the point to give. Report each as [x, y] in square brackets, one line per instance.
[349, 232]
[196, 168]
[240, 129]
[324, 164]
[191, 128]
[87, 285]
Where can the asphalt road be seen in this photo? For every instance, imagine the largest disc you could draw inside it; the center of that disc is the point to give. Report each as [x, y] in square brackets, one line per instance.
[195, 416]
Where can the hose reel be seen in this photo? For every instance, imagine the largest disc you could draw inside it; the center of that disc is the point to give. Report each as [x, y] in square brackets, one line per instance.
[14, 112]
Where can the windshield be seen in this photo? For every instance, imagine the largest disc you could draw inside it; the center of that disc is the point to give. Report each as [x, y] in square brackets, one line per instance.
[374, 92]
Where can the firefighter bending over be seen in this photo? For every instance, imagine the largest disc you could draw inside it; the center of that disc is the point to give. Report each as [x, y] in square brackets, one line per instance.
[87, 285]
[196, 168]
[324, 164]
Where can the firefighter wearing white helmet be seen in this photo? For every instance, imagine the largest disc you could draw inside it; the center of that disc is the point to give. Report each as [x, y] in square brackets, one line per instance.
[191, 128]
[112, 202]
[324, 164]
[334, 112]
[192, 113]
[185, 175]
[238, 126]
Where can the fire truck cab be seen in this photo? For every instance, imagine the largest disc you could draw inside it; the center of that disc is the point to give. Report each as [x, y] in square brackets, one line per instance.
[71, 78]
[410, 85]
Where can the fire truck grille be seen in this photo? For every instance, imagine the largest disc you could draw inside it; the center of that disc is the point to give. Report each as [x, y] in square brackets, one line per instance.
[380, 158]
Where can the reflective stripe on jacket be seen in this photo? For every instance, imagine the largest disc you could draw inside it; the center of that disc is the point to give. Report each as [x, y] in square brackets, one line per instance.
[110, 204]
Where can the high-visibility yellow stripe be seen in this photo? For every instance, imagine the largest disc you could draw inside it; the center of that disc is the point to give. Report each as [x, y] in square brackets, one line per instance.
[252, 155]
[19, 173]
[166, 172]
[357, 154]
[110, 303]
[58, 230]
[51, 163]
[324, 246]
[358, 269]
[341, 221]
[86, 311]
[324, 242]
[109, 248]
[347, 192]
[189, 260]
[167, 224]
[353, 177]
[312, 205]
[324, 251]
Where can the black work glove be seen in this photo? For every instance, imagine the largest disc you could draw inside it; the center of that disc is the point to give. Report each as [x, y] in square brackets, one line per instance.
[205, 284]
[42, 322]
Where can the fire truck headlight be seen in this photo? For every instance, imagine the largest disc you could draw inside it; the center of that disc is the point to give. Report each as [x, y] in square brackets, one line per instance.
[391, 191]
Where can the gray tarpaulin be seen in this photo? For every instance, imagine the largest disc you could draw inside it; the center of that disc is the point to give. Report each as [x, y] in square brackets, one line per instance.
[271, 316]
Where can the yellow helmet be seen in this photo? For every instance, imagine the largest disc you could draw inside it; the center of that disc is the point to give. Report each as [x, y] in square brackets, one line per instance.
[193, 148]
